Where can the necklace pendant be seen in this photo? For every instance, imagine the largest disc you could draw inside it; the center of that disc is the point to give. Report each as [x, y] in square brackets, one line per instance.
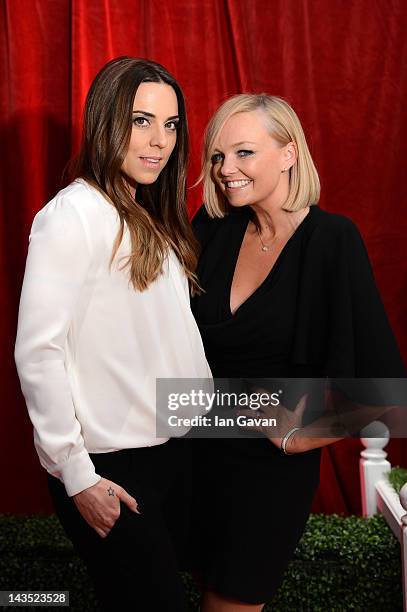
[264, 248]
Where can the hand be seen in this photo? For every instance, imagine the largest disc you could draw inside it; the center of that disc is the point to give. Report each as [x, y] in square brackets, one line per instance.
[285, 420]
[100, 505]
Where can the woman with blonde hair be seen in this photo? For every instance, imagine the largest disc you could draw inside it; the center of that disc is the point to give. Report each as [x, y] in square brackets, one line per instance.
[288, 292]
[104, 312]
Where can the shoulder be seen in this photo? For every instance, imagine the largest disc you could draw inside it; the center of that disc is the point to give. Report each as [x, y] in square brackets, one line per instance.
[73, 215]
[332, 230]
[77, 205]
[332, 223]
[206, 227]
[201, 219]
[78, 197]
[334, 242]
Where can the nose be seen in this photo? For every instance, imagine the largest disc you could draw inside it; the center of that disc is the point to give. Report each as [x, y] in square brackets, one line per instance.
[228, 166]
[159, 137]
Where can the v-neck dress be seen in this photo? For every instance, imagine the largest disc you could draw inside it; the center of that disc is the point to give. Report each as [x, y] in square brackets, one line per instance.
[255, 340]
[251, 502]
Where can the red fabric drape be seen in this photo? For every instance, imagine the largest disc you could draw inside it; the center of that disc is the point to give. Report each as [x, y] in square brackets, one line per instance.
[341, 65]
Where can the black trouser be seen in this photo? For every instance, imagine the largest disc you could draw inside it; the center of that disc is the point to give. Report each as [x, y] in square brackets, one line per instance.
[134, 567]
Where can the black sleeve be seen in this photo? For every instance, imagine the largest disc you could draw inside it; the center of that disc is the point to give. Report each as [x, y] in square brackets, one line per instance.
[342, 326]
[358, 314]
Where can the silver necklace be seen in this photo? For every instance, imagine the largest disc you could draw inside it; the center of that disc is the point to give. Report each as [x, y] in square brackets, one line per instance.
[264, 247]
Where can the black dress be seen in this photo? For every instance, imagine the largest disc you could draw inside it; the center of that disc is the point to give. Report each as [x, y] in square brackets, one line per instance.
[317, 314]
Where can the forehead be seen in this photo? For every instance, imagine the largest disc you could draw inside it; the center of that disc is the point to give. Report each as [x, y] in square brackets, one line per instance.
[156, 98]
[246, 126]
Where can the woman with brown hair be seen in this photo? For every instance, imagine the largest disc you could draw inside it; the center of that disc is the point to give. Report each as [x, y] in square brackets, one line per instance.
[288, 294]
[104, 312]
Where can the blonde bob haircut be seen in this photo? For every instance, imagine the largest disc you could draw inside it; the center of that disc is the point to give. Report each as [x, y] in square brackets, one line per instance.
[284, 126]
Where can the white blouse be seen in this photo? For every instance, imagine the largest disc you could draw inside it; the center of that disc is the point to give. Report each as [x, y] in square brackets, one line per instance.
[89, 347]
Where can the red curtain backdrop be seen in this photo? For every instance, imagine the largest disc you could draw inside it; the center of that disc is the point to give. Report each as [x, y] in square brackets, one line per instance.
[342, 65]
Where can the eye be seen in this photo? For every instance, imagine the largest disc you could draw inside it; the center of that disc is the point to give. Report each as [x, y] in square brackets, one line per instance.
[141, 122]
[216, 158]
[172, 125]
[244, 153]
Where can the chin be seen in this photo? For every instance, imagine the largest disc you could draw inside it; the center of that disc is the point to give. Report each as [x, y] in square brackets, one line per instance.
[147, 180]
[237, 204]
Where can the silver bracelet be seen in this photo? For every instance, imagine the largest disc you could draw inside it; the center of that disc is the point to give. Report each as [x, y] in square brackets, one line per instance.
[286, 438]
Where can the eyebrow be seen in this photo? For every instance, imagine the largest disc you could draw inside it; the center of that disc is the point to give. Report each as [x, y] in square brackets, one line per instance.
[147, 114]
[240, 143]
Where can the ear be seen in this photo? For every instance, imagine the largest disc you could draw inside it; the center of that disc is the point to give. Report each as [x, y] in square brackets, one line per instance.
[289, 155]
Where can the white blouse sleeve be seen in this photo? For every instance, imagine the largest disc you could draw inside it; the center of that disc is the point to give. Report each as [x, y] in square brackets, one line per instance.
[58, 262]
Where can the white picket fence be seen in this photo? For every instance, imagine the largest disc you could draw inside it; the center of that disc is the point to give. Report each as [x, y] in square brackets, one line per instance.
[379, 496]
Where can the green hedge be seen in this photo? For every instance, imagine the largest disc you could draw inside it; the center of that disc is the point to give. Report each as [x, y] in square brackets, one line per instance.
[341, 563]
[397, 477]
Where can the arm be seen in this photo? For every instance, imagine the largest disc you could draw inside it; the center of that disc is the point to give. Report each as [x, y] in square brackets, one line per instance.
[342, 417]
[359, 331]
[330, 428]
[358, 339]
[58, 262]
[58, 265]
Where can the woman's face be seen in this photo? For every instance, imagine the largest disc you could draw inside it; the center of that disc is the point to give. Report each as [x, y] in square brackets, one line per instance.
[153, 133]
[248, 163]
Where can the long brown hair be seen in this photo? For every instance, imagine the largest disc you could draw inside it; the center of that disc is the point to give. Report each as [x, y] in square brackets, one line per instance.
[158, 218]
